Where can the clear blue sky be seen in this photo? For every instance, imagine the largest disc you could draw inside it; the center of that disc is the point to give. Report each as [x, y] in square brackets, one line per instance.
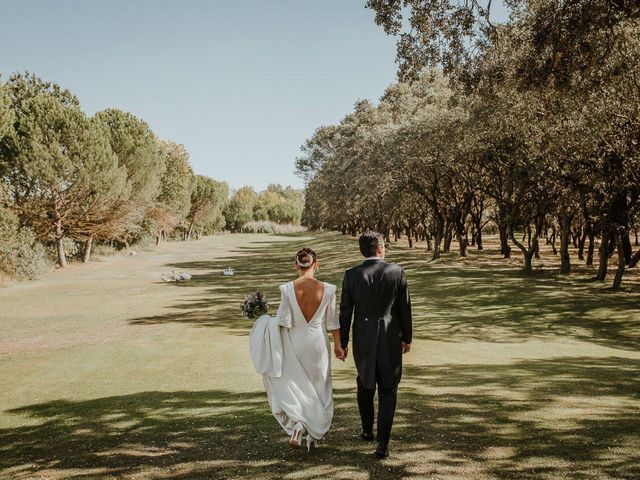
[241, 83]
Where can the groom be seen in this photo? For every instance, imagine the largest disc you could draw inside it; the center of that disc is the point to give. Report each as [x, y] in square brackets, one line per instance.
[378, 292]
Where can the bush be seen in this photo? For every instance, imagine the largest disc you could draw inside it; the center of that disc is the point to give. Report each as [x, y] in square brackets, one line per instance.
[271, 227]
[21, 255]
[146, 243]
[72, 249]
[103, 250]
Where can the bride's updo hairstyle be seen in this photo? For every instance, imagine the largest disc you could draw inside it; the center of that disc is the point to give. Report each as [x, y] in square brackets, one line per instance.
[305, 258]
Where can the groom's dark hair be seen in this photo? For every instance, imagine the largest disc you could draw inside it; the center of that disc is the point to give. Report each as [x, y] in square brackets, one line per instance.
[369, 242]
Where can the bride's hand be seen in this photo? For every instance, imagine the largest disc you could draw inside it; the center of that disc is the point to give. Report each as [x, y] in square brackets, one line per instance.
[340, 352]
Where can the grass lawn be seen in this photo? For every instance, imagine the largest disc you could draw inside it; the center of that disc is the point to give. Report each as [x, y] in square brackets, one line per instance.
[108, 372]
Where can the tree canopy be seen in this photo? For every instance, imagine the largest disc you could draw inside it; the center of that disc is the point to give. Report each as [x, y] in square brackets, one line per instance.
[530, 127]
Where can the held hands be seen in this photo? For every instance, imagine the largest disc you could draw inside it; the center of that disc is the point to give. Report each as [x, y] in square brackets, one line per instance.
[341, 353]
[406, 347]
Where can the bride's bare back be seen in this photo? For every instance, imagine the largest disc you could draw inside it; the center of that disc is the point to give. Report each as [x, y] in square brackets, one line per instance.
[309, 293]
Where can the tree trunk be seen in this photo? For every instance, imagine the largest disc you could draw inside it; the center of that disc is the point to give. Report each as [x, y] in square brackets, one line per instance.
[448, 236]
[189, 231]
[479, 239]
[436, 247]
[626, 246]
[574, 239]
[581, 241]
[505, 248]
[62, 258]
[527, 254]
[462, 245]
[617, 281]
[86, 255]
[553, 240]
[528, 266]
[532, 248]
[591, 247]
[565, 232]
[438, 239]
[634, 259]
[604, 257]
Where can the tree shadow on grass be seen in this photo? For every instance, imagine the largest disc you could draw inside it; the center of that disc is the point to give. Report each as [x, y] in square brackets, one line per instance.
[535, 419]
[481, 298]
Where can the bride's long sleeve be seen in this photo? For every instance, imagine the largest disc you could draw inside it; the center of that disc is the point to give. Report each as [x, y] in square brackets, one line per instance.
[285, 312]
[332, 317]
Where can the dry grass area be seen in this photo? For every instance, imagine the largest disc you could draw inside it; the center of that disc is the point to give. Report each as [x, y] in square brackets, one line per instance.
[108, 372]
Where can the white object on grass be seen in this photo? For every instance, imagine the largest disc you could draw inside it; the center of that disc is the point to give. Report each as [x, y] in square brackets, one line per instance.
[181, 277]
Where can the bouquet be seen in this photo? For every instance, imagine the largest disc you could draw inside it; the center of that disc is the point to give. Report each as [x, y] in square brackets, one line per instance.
[255, 305]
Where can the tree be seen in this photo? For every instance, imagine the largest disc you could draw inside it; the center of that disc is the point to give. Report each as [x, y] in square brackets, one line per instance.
[239, 210]
[138, 151]
[452, 34]
[174, 199]
[6, 114]
[279, 205]
[68, 166]
[533, 127]
[20, 88]
[208, 198]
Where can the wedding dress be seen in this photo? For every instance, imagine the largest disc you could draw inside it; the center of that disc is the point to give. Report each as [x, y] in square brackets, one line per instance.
[292, 355]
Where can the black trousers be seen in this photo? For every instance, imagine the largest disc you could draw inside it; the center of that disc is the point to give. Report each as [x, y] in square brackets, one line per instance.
[387, 400]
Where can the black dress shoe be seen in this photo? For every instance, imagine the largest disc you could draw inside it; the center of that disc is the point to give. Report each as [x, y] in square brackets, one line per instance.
[382, 451]
[367, 436]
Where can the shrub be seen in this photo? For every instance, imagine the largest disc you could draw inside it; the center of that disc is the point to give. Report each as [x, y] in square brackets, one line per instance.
[72, 249]
[21, 255]
[271, 227]
[103, 250]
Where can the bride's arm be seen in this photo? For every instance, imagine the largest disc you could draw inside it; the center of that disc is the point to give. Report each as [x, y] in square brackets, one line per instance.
[336, 337]
[333, 325]
[285, 312]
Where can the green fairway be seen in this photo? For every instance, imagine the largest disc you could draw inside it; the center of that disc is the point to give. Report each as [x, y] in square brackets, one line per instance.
[106, 371]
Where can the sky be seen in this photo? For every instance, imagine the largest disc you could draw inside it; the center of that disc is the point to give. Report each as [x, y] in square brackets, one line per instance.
[241, 83]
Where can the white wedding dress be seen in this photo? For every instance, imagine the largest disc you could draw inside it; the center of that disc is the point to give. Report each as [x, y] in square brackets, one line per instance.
[292, 355]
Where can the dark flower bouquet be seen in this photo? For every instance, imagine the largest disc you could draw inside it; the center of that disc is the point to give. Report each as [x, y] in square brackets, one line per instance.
[254, 305]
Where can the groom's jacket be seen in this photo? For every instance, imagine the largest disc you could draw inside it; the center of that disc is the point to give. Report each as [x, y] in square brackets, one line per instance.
[376, 296]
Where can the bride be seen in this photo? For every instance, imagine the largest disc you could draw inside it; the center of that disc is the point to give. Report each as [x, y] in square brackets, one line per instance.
[291, 351]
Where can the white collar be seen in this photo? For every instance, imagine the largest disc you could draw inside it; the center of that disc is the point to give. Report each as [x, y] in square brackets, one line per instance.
[373, 258]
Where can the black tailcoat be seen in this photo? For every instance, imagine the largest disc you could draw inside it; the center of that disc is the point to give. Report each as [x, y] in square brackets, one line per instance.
[376, 296]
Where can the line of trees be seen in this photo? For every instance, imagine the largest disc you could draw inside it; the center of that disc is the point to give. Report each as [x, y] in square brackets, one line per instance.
[69, 180]
[277, 204]
[530, 128]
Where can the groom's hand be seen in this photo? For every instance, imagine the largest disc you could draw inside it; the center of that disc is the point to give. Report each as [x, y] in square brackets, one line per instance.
[406, 347]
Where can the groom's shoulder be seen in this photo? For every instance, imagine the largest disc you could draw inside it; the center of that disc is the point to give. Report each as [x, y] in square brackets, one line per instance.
[353, 269]
[393, 267]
